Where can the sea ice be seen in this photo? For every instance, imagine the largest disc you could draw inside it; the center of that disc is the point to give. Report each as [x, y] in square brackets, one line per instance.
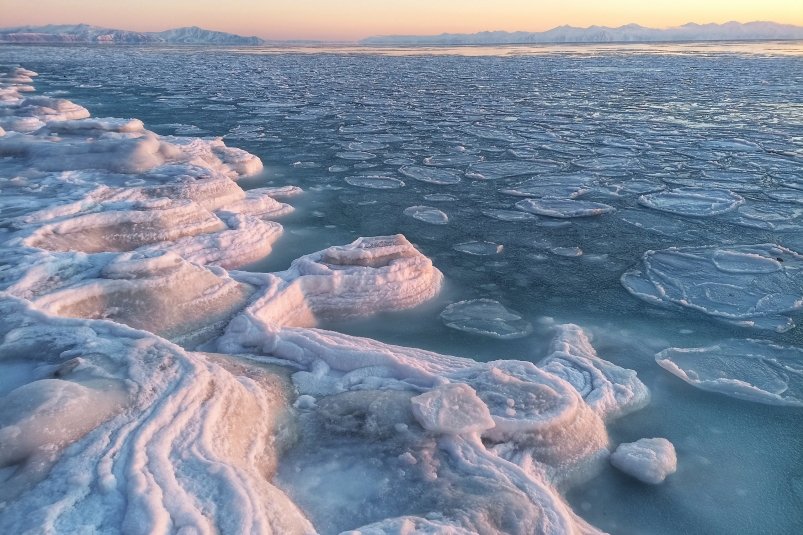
[749, 285]
[563, 208]
[374, 182]
[433, 175]
[697, 202]
[427, 214]
[753, 370]
[486, 317]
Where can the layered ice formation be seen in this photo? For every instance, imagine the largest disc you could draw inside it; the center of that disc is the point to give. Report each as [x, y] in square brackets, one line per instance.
[119, 249]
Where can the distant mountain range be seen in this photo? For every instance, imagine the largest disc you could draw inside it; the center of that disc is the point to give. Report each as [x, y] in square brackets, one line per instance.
[730, 31]
[85, 34]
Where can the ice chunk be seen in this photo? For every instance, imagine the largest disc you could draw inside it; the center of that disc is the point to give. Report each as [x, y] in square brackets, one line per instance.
[427, 214]
[452, 409]
[753, 370]
[649, 460]
[486, 317]
[433, 175]
[697, 202]
[157, 292]
[563, 208]
[750, 285]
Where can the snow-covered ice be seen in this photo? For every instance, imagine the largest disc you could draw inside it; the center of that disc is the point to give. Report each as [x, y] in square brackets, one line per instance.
[649, 460]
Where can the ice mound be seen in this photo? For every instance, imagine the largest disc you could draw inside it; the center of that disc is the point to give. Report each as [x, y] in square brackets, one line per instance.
[486, 317]
[421, 412]
[119, 430]
[362, 278]
[697, 202]
[125, 230]
[433, 175]
[649, 460]
[752, 370]
[427, 214]
[563, 208]
[749, 285]
[158, 292]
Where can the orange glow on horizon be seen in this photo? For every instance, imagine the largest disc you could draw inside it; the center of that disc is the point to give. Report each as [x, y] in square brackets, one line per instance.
[349, 20]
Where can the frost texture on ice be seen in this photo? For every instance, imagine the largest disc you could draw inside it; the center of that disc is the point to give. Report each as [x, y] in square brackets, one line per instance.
[752, 370]
[115, 238]
[749, 285]
[649, 460]
[486, 317]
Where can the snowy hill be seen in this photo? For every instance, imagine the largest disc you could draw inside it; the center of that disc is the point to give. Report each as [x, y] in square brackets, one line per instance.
[84, 33]
[730, 31]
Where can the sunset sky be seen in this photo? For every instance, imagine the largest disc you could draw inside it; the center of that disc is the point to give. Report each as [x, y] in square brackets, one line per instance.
[355, 19]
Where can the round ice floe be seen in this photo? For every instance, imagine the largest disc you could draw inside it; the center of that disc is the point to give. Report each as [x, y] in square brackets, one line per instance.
[375, 182]
[495, 170]
[509, 215]
[433, 175]
[486, 317]
[751, 285]
[698, 202]
[427, 214]
[563, 208]
[479, 248]
[649, 460]
[753, 370]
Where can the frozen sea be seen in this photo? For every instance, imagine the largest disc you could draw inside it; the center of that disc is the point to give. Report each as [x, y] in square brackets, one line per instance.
[539, 179]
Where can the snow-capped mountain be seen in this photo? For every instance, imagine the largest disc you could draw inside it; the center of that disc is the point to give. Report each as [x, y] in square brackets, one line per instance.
[730, 31]
[84, 33]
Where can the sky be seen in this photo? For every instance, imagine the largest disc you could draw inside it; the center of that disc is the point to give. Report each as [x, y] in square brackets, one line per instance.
[354, 19]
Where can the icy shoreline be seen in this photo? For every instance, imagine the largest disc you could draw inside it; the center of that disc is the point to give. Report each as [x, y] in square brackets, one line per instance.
[118, 244]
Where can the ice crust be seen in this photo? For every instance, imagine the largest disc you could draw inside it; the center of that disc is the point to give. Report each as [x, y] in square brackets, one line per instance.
[122, 244]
